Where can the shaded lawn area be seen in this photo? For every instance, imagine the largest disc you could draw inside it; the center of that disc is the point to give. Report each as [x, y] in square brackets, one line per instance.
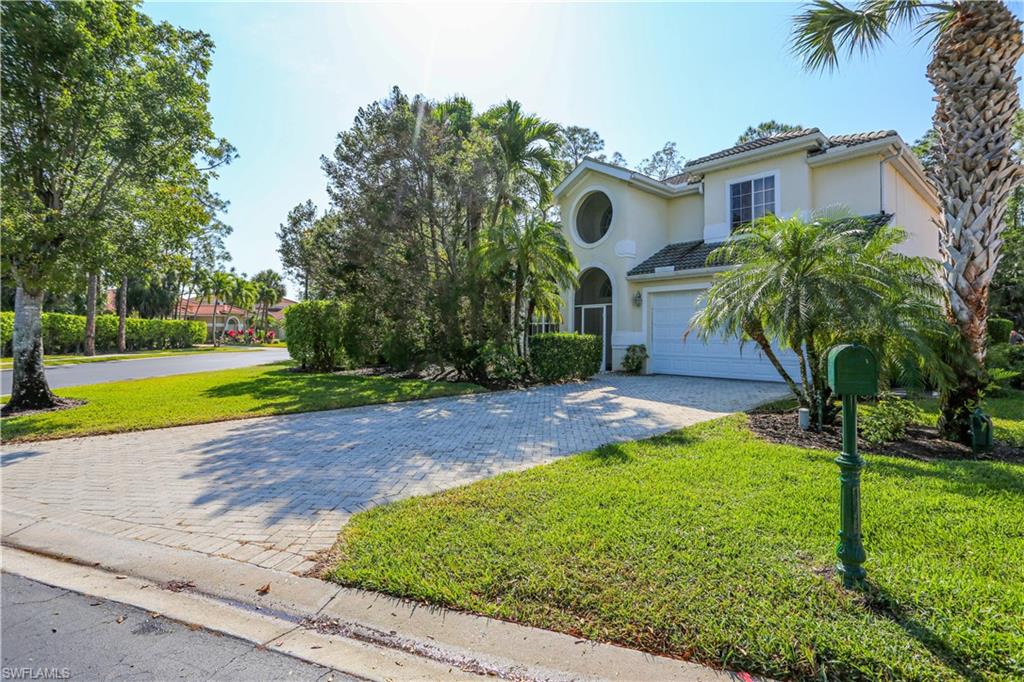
[715, 546]
[73, 359]
[214, 396]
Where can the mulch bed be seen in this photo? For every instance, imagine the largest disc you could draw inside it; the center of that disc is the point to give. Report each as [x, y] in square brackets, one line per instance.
[922, 442]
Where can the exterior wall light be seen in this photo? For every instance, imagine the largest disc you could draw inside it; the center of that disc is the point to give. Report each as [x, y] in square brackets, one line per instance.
[638, 299]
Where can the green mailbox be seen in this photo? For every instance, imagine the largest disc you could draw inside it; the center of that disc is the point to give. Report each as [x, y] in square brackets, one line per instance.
[852, 370]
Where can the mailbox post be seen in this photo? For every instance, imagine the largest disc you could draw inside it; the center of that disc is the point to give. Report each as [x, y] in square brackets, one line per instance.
[852, 372]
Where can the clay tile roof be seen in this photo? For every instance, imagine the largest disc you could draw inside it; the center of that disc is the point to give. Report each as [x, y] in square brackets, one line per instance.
[680, 256]
[753, 144]
[860, 138]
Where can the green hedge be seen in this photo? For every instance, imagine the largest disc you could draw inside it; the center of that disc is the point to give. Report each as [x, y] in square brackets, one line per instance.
[560, 356]
[999, 329]
[64, 333]
[315, 333]
[6, 331]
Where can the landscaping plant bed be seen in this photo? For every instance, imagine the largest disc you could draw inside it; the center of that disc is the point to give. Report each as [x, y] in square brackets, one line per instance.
[921, 442]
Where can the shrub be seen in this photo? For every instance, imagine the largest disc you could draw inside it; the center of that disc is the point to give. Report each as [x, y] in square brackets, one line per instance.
[6, 332]
[314, 331]
[636, 355]
[559, 356]
[63, 333]
[888, 420]
[500, 364]
[999, 329]
[1006, 365]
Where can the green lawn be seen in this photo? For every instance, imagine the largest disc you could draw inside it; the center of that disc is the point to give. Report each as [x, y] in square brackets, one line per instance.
[214, 396]
[715, 546]
[1006, 409]
[68, 359]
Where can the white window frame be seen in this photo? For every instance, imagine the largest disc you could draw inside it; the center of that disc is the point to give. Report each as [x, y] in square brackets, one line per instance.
[774, 174]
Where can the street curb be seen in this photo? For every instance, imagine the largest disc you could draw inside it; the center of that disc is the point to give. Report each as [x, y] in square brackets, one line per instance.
[468, 642]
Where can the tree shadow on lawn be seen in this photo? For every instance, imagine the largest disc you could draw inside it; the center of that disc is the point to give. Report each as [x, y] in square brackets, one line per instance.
[288, 390]
[883, 604]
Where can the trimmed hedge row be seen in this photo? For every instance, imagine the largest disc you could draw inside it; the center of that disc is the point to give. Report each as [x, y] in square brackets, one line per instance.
[560, 356]
[999, 329]
[63, 333]
[315, 333]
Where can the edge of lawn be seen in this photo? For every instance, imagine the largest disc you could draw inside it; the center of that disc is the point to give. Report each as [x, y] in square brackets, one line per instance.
[460, 389]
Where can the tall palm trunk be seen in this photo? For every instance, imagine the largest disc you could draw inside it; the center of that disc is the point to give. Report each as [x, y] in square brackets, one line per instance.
[973, 72]
[30, 390]
[122, 314]
[90, 313]
[216, 301]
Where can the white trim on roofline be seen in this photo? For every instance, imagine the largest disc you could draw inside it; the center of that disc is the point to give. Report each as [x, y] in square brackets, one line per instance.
[906, 162]
[638, 180]
[775, 149]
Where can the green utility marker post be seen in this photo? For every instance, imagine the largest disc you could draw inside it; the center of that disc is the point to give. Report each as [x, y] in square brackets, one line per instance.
[852, 372]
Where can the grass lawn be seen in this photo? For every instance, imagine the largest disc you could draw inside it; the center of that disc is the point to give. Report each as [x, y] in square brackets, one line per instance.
[715, 546]
[55, 360]
[1006, 409]
[214, 396]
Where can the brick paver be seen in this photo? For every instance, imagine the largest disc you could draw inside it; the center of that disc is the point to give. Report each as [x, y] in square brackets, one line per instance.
[273, 491]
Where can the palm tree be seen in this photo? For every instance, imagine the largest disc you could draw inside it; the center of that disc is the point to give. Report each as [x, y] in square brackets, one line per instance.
[220, 286]
[807, 285]
[525, 146]
[974, 56]
[539, 261]
[269, 290]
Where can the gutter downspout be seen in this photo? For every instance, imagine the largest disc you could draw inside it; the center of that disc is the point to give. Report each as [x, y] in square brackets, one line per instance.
[881, 178]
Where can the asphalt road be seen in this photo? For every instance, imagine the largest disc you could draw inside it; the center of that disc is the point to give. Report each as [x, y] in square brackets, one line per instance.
[50, 633]
[118, 370]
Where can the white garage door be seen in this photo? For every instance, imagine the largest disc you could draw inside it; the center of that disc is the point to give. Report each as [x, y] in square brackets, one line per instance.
[670, 354]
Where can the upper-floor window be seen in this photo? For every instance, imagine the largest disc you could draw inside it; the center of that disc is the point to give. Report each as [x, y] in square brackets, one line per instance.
[594, 217]
[750, 200]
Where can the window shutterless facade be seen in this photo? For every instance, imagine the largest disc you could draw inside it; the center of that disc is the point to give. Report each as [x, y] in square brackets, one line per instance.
[750, 200]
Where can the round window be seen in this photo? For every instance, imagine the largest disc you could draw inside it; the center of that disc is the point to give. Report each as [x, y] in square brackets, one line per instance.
[594, 217]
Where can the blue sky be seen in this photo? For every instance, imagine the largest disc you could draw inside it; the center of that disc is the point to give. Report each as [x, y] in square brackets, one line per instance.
[287, 77]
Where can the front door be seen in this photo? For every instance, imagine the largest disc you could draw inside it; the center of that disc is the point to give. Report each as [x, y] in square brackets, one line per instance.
[595, 321]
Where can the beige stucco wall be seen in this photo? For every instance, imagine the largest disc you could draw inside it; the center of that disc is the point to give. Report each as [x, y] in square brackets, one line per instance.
[686, 218]
[914, 213]
[793, 189]
[850, 185]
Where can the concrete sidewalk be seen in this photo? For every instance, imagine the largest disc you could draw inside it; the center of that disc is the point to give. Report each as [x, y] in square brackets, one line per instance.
[372, 630]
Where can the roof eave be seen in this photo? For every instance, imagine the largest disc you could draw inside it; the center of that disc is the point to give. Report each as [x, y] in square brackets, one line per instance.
[909, 165]
[638, 180]
[678, 274]
[776, 149]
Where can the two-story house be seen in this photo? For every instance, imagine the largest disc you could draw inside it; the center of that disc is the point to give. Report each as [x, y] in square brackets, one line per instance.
[642, 244]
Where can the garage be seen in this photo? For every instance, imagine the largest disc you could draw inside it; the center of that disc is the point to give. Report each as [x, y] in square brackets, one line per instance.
[723, 358]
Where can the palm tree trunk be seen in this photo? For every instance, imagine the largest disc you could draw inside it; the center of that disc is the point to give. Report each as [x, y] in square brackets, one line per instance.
[29, 390]
[122, 314]
[766, 347]
[215, 302]
[90, 313]
[973, 72]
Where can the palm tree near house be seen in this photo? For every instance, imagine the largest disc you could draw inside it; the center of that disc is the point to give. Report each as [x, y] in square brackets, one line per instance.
[540, 263]
[974, 56]
[269, 290]
[805, 286]
[220, 285]
[242, 294]
[525, 156]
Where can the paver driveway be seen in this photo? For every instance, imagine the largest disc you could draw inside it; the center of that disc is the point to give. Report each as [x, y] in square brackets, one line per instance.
[274, 490]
